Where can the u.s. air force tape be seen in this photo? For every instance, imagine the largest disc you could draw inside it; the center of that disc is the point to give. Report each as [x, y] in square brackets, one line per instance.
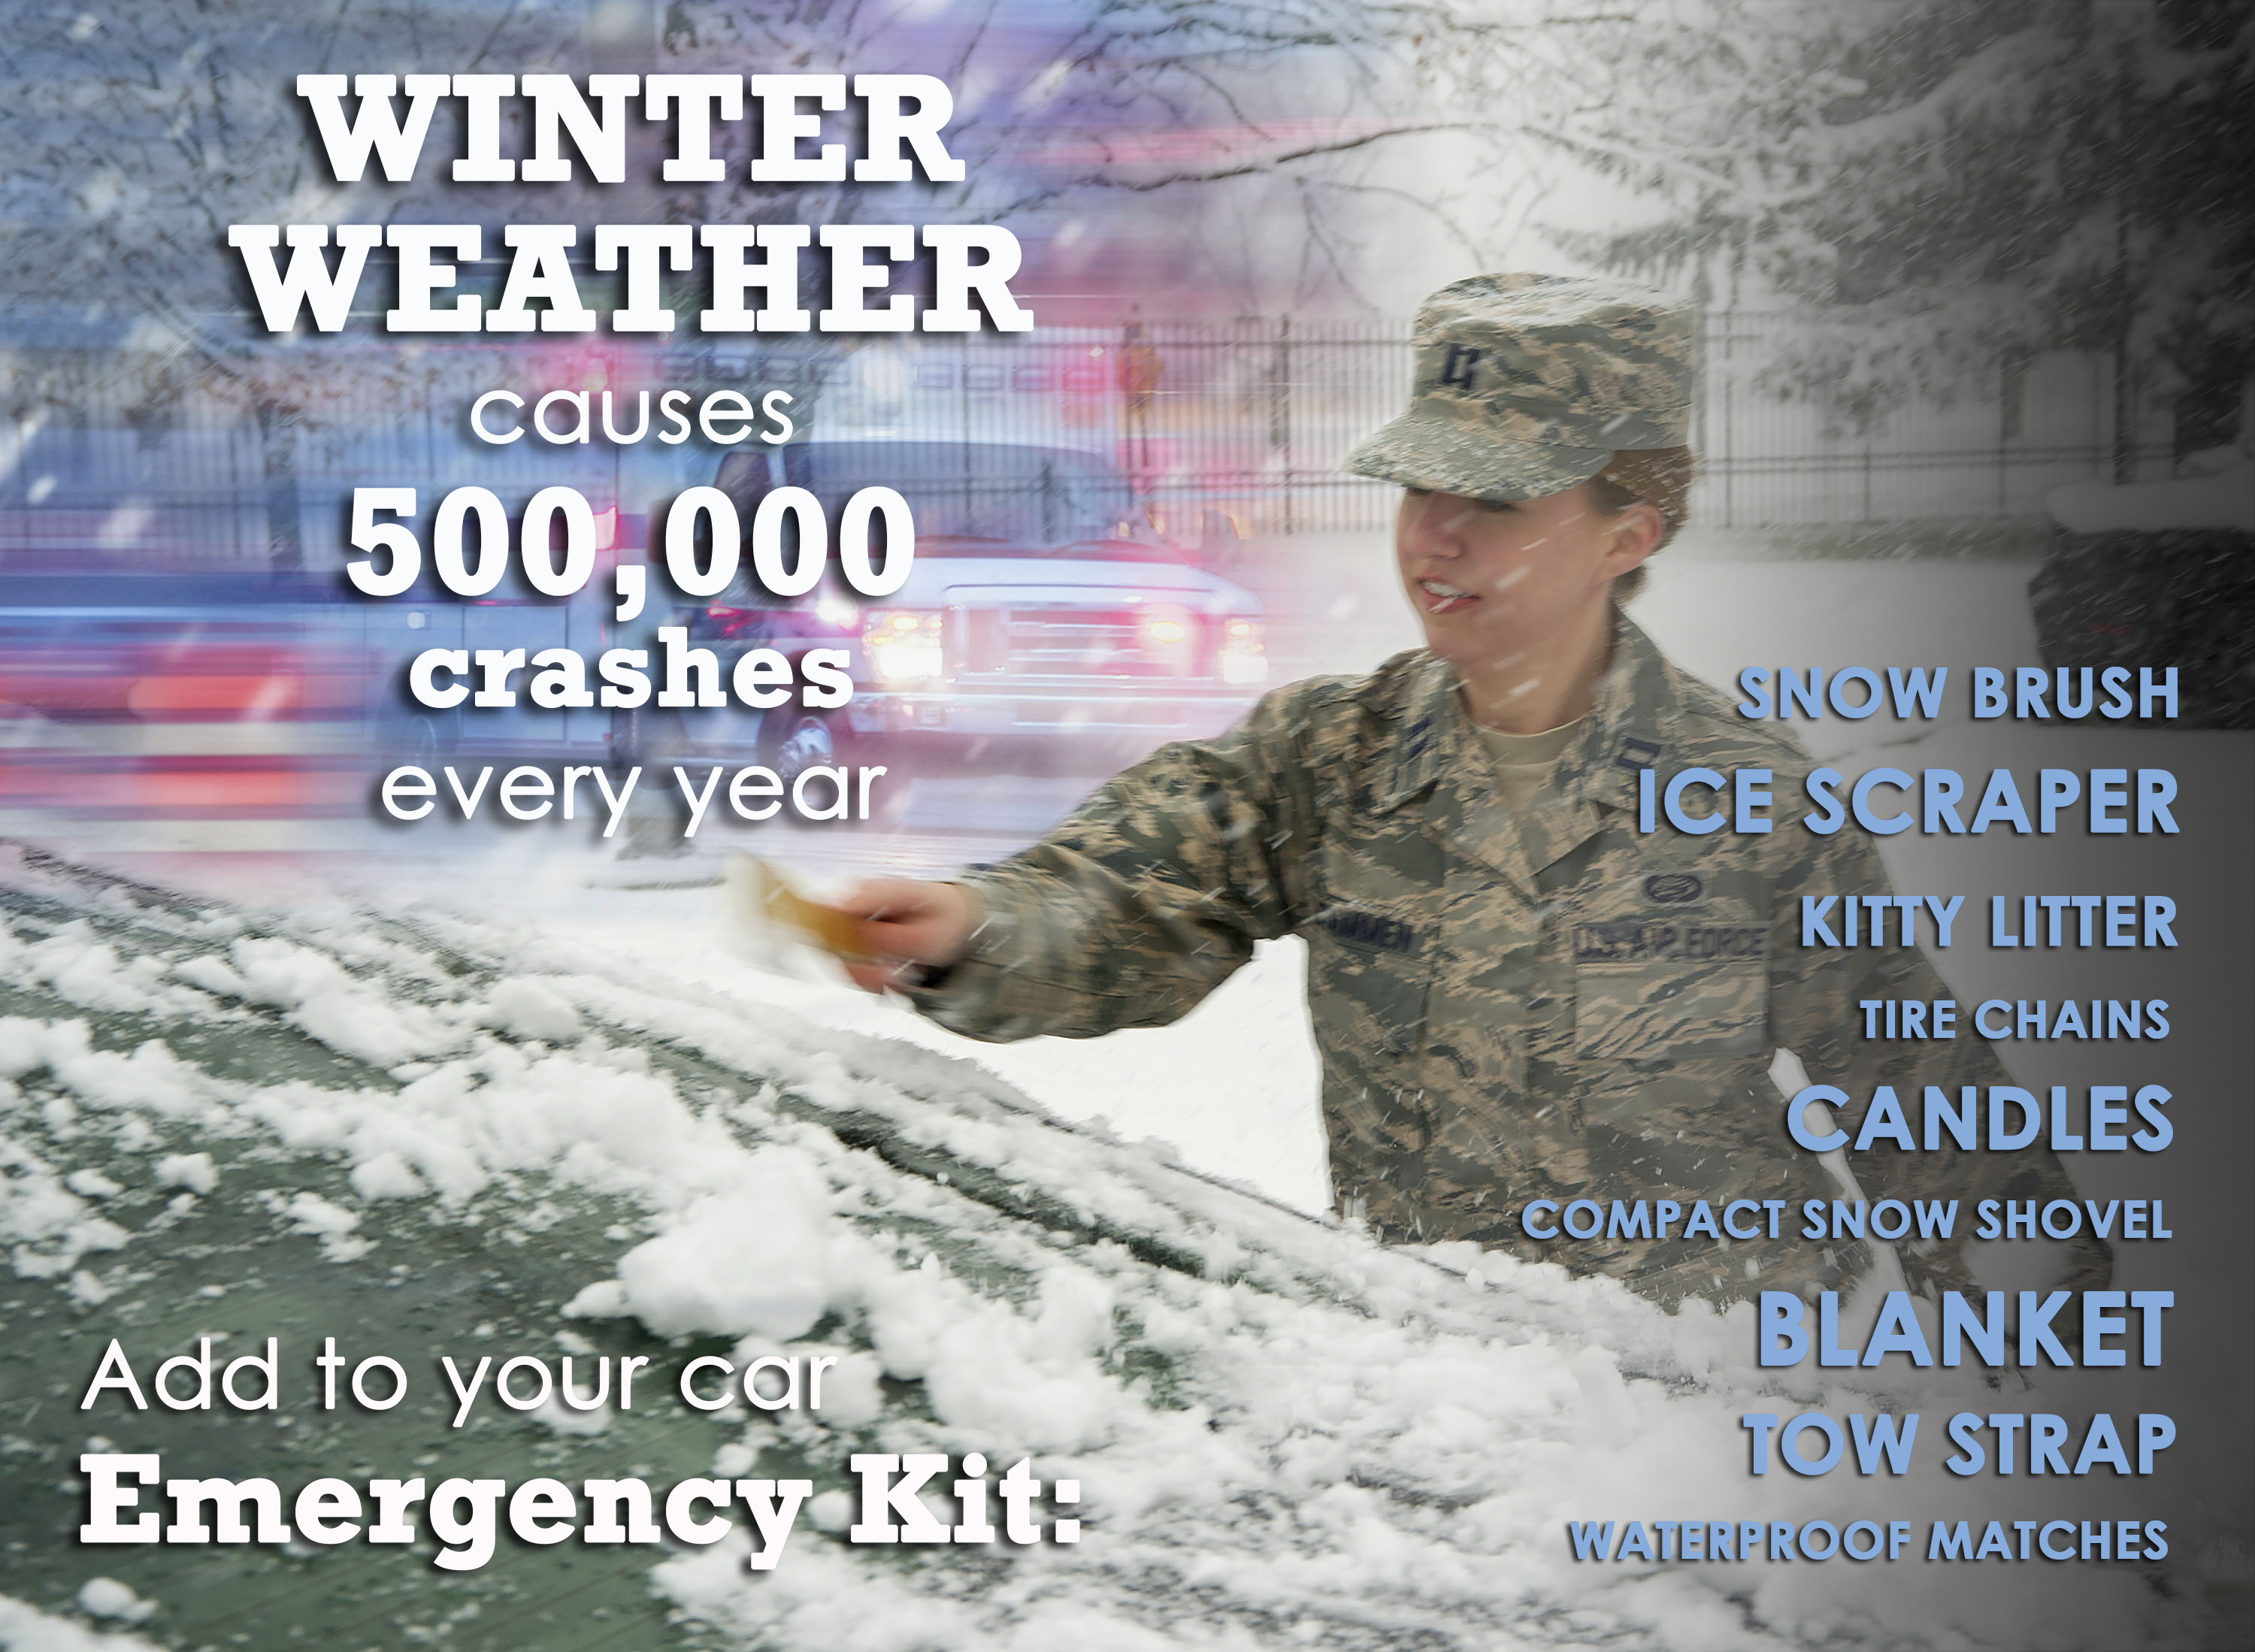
[1635, 940]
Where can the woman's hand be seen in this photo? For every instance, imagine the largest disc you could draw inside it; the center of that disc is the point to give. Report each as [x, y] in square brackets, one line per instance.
[904, 921]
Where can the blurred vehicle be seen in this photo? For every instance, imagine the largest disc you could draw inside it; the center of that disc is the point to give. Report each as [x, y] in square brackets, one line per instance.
[165, 685]
[1040, 604]
[428, 616]
[186, 665]
[180, 710]
[2157, 574]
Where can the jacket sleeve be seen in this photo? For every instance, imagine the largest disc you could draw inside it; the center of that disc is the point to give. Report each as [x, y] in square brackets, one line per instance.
[1815, 994]
[1149, 896]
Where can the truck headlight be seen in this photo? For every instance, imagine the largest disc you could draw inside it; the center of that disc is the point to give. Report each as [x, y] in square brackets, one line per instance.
[1243, 658]
[1169, 638]
[902, 645]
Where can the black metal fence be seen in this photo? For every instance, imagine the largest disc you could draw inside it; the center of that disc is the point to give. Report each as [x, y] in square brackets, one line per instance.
[1254, 417]
[1249, 417]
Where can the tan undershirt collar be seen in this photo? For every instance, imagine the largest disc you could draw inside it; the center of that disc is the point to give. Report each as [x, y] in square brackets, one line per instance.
[1523, 762]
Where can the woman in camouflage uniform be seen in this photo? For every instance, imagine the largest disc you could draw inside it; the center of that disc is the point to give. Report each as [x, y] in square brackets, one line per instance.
[1516, 994]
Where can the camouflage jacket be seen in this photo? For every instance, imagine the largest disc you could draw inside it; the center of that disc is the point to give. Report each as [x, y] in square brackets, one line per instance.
[1507, 1010]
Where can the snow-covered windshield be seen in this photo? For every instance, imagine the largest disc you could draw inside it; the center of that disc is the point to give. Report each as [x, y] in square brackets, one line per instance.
[432, 1137]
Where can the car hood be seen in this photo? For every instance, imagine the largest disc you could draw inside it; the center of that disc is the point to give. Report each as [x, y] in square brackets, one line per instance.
[936, 581]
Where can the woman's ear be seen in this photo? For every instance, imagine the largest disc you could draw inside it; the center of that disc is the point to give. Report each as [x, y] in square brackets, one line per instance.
[1636, 533]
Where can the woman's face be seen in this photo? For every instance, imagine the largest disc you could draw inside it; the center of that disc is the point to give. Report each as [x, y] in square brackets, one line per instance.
[1490, 580]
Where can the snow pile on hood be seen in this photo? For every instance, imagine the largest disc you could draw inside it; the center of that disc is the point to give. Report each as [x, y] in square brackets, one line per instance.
[757, 1259]
[25, 1628]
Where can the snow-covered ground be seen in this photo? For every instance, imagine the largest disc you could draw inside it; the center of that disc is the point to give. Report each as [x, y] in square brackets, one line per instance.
[1283, 1435]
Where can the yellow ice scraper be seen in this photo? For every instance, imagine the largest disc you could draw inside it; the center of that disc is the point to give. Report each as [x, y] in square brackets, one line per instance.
[761, 899]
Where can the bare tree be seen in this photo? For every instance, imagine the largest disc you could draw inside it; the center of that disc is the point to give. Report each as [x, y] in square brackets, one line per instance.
[1948, 187]
[136, 135]
[1281, 149]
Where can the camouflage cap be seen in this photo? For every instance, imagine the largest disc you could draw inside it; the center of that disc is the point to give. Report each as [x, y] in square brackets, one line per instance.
[1528, 384]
